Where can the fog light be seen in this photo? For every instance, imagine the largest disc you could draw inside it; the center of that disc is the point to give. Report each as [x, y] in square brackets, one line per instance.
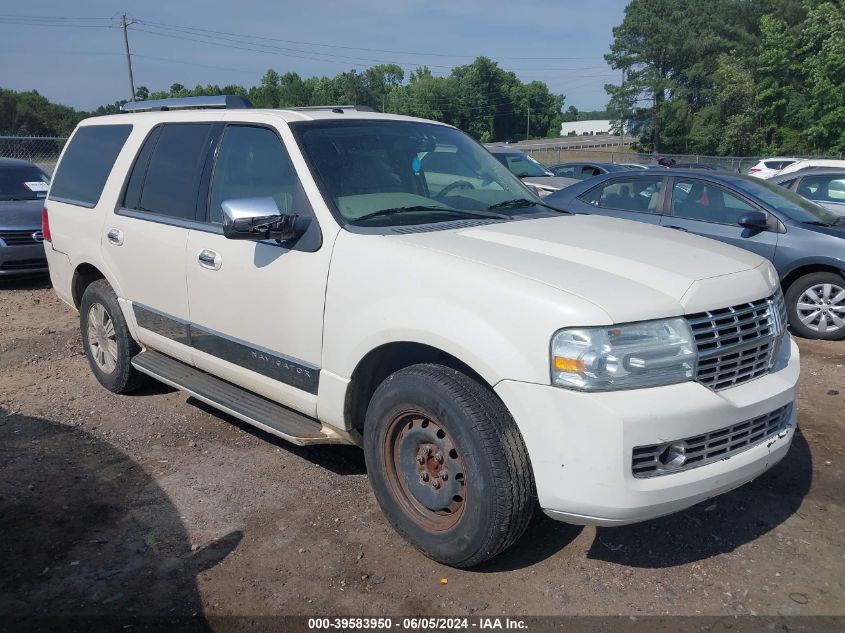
[674, 455]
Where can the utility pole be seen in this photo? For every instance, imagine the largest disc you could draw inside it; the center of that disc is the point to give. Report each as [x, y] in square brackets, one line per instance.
[124, 24]
[528, 123]
[622, 115]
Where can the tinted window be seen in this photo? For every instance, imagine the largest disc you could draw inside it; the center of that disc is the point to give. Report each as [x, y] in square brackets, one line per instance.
[22, 182]
[173, 174]
[566, 171]
[87, 163]
[824, 188]
[522, 165]
[252, 162]
[132, 197]
[698, 200]
[785, 201]
[635, 194]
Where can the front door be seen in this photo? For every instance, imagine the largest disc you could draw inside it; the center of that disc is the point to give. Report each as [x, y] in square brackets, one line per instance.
[258, 305]
[704, 208]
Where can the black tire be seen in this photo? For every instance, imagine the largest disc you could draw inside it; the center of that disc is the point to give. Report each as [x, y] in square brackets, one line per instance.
[122, 377]
[793, 296]
[489, 475]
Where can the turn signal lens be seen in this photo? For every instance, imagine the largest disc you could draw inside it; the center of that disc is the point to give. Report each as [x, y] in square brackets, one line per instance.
[569, 364]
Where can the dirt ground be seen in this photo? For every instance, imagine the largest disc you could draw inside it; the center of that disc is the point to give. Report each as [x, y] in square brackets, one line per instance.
[156, 504]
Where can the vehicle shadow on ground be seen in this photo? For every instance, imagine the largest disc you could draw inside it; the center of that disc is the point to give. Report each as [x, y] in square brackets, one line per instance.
[714, 527]
[543, 538]
[87, 533]
[340, 459]
[28, 282]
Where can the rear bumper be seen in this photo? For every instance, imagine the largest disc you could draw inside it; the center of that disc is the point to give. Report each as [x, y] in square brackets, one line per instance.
[581, 445]
[22, 260]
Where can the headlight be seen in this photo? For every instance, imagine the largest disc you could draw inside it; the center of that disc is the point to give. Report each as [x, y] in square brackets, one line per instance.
[643, 354]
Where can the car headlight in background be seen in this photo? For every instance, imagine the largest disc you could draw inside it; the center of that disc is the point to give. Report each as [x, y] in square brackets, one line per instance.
[609, 357]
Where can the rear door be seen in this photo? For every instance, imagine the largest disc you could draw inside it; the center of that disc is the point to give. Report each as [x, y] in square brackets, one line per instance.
[635, 198]
[707, 209]
[145, 239]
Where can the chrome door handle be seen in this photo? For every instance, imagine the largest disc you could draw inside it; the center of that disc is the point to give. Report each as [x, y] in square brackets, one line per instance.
[115, 236]
[210, 259]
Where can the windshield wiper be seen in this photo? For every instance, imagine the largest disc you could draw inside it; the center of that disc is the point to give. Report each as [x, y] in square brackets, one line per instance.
[518, 203]
[817, 223]
[423, 207]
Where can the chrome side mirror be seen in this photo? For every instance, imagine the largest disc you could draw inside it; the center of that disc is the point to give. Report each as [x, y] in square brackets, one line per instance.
[260, 219]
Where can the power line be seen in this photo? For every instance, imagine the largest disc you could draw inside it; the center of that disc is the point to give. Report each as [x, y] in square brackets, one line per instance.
[357, 48]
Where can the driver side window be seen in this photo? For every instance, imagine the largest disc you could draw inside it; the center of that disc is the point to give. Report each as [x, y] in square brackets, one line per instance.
[252, 162]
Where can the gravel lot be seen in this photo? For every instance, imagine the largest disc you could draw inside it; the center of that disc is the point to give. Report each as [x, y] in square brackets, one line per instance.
[156, 504]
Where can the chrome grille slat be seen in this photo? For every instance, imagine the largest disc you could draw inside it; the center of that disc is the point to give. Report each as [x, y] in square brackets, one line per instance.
[17, 238]
[738, 343]
[713, 446]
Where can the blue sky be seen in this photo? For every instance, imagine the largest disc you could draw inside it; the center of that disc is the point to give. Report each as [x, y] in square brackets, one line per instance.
[80, 61]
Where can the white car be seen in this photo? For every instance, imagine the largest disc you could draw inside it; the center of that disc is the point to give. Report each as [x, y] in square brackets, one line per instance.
[338, 276]
[769, 167]
[805, 163]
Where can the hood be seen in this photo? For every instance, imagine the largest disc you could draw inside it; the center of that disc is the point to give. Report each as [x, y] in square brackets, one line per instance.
[550, 183]
[21, 214]
[633, 271]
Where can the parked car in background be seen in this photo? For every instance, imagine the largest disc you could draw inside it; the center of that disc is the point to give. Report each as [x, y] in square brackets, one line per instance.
[583, 171]
[804, 163]
[706, 166]
[805, 241]
[768, 167]
[823, 185]
[23, 187]
[634, 165]
[529, 170]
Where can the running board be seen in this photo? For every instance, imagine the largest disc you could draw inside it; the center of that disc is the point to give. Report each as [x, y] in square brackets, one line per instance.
[240, 403]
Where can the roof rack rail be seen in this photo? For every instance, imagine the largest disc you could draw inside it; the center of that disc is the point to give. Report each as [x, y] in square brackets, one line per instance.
[230, 102]
[335, 108]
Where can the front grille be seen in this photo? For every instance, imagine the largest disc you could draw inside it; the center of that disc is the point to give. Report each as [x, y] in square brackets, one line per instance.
[20, 238]
[739, 343]
[651, 461]
[24, 264]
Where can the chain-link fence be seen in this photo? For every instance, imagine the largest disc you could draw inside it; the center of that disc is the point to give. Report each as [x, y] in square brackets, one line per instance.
[42, 150]
[553, 154]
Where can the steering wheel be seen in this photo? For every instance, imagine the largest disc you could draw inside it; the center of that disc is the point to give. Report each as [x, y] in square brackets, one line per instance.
[458, 184]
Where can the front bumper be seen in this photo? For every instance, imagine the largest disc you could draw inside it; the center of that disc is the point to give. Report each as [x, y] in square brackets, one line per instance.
[581, 444]
[22, 259]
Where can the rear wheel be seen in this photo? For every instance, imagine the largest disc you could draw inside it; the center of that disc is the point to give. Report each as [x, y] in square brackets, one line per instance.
[448, 465]
[816, 306]
[106, 339]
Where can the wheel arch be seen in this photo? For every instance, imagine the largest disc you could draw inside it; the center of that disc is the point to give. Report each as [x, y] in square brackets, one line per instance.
[385, 359]
[808, 268]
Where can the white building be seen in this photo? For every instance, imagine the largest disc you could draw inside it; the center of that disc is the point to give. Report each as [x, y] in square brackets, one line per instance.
[579, 128]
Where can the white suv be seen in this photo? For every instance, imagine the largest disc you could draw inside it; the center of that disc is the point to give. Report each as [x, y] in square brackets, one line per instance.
[338, 276]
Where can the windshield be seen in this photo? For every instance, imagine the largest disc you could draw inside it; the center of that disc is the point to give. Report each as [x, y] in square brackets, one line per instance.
[787, 202]
[386, 173]
[23, 183]
[522, 165]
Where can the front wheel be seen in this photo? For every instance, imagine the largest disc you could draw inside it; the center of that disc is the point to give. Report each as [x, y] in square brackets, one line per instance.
[448, 465]
[816, 306]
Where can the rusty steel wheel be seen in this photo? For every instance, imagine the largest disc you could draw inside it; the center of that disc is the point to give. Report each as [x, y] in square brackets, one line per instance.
[447, 464]
[425, 470]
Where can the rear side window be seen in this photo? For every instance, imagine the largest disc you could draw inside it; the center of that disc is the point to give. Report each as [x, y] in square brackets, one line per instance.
[165, 178]
[87, 163]
[634, 194]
